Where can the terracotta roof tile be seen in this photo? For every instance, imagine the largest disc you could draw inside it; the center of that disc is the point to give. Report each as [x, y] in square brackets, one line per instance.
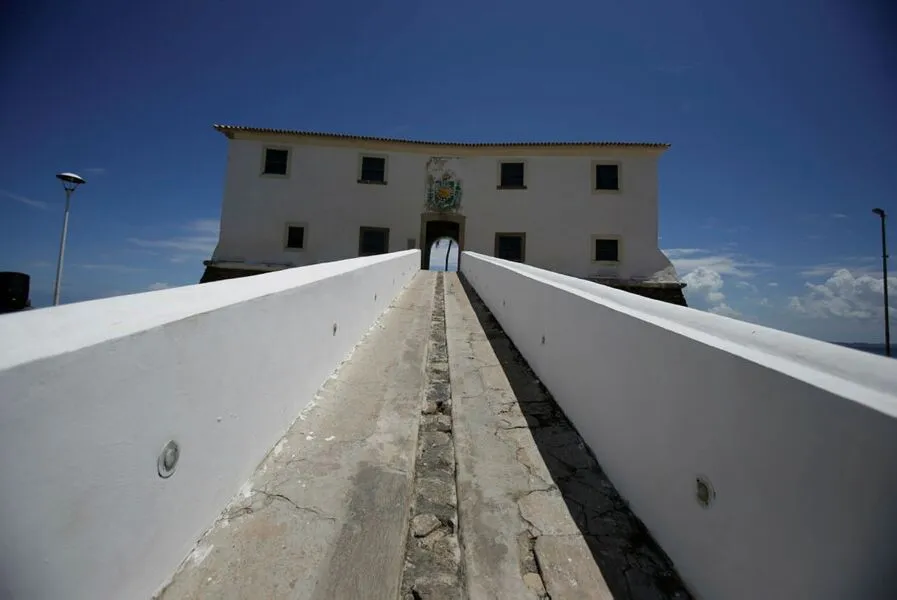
[229, 130]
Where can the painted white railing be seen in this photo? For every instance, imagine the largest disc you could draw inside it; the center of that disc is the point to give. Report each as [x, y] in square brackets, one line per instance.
[90, 393]
[795, 440]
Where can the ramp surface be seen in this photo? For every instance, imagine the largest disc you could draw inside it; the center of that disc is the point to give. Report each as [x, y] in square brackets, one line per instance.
[433, 465]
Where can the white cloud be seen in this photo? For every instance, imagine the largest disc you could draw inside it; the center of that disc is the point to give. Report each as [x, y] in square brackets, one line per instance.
[864, 265]
[210, 226]
[157, 286]
[674, 253]
[108, 267]
[846, 295]
[23, 200]
[772, 284]
[95, 170]
[819, 270]
[724, 310]
[839, 216]
[200, 238]
[707, 282]
[689, 259]
[705, 273]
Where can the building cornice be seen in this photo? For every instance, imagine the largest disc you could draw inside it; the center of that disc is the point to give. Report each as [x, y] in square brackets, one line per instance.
[462, 148]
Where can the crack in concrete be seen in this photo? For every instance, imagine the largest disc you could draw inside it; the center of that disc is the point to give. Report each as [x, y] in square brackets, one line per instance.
[276, 496]
[530, 565]
[534, 531]
[510, 427]
[240, 511]
[530, 470]
[550, 488]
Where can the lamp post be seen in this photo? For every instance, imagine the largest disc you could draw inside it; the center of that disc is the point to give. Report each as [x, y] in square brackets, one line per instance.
[70, 181]
[447, 252]
[884, 272]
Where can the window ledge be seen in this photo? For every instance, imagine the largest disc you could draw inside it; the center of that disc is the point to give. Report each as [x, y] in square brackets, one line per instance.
[510, 187]
[371, 182]
[606, 191]
[275, 175]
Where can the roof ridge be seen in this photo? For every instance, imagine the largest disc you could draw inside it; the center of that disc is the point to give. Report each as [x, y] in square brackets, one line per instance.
[229, 130]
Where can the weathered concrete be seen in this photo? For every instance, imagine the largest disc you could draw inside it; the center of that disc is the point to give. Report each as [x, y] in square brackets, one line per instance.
[567, 568]
[326, 514]
[496, 540]
[533, 501]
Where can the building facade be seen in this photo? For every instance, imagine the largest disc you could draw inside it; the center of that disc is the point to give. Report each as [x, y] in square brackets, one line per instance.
[589, 210]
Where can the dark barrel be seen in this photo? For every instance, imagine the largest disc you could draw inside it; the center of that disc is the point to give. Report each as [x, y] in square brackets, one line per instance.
[14, 290]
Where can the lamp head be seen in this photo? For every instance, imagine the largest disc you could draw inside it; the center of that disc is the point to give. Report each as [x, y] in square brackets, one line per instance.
[70, 180]
[880, 212]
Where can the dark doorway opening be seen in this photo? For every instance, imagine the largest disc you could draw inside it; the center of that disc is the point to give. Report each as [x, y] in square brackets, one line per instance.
[434, 230]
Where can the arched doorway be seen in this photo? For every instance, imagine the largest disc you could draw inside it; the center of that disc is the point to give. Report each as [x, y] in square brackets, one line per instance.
[434, 226]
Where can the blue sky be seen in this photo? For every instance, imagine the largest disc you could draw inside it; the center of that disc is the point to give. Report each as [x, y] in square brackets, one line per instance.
[438, 258]
[780, 114]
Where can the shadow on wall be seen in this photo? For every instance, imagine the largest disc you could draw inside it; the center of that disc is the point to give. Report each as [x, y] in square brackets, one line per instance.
[633, 564]
[444, 255]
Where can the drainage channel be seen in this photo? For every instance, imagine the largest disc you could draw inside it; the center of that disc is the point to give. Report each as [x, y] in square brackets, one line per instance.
[432, 556]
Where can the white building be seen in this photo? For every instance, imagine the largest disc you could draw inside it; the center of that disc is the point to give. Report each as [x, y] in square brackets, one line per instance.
[587, 209]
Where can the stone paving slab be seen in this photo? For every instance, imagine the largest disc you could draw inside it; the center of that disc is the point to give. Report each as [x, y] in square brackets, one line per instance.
[326, 514]
[564, 562]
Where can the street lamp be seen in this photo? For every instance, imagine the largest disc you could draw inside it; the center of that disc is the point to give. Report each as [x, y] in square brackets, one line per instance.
[884, 272]
[70, 181]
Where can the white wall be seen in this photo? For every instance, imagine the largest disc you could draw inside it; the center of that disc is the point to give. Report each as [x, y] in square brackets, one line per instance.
[798, 437]
[559, 211]
[91, 392]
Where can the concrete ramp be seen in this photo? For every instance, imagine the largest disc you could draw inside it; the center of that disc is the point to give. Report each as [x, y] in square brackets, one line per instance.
[433, 465]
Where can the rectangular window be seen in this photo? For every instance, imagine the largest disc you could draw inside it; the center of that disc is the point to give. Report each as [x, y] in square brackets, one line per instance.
[373, 169]
[295, 237]
[510, 246]
[512, 176]
[373, 240]
[276, 161]
[607, 177]
[606, 250]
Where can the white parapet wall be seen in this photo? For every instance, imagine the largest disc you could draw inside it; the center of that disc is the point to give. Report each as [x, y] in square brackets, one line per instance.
[90, 393]
[797, 438]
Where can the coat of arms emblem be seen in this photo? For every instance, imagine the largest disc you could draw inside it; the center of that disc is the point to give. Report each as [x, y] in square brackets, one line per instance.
[443, 187]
